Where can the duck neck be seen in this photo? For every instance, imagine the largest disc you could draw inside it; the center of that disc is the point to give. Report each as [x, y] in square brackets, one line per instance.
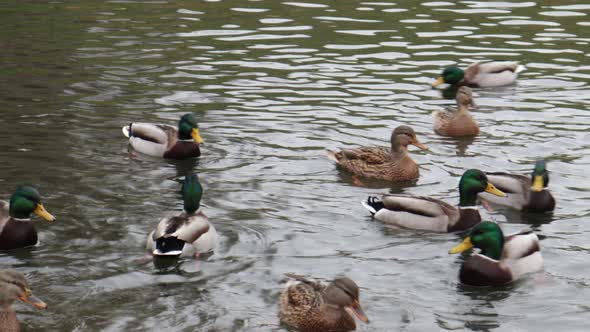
[398, 151]
[8, 320]
[494, 252]
[467, 199]
[462, 108]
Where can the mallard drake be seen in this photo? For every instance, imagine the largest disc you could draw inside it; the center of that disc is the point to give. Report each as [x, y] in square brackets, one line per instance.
[161, 140]
[16, 228]
[425, 213]
[522, 192]
[393, 164]
[457, 122]
[481, 74]
[13, 286]
[188, 233]
[502, 259]
[308, 305]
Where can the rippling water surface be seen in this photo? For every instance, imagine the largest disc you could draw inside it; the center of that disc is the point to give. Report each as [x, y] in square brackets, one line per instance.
[274, 83]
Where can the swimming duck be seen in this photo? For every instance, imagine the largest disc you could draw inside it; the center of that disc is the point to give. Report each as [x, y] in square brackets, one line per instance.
[393, 164]
[161, 140]
[16, 228]
[188, 233]
[13, 286]
[481, 74]
[522, 192]
[308, 305]
[459, 122]
[431, 214]
[502, 259]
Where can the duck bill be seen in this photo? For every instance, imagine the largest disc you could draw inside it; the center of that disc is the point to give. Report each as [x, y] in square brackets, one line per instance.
[32, 300]
[196, 135]
[463, 246]
[41, 212]
[538, 183]
[356, 310]
[490, 188]
[438, 82]
[419, 145]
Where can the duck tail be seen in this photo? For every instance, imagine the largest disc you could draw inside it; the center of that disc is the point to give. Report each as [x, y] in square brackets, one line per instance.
[520, 68]
[332, 156]
[373, 204]
[127, 130]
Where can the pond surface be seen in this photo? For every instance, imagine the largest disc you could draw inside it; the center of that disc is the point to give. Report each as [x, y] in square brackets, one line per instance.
[273, 84]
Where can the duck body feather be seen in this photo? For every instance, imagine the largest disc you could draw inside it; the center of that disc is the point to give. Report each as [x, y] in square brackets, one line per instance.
[14, 232]
[376, 163]
[184, 234]
[520, 256]
[160, 140]
[455, 123]
[303, 307]
[491, 74]
[518, 193]
[424, 213]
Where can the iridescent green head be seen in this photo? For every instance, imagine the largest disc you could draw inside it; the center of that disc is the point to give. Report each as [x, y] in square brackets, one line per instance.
[539, 176]
[188, 128]
[473, 182]
[26, 200]
[192, 191]
[487, 236]
[451, 75]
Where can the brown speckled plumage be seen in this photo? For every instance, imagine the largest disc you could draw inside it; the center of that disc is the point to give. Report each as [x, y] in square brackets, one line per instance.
[309, 306]
[457, 122]
[394, 164]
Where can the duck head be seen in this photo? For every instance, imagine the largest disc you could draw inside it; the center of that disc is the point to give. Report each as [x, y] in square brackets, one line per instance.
[344, 293]
[473, 182]
[450, 75]
[26, 200]
[189, 128]
[539, 176]
[13, 286]
[192, 191]
[403, 136]
[486, 236]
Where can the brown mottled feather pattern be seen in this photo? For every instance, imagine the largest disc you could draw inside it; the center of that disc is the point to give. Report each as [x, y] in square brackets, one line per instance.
[377, 163]
[302, 307]
[455, 123]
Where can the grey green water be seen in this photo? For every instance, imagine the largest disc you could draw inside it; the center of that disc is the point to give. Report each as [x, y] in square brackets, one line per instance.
[274, 83]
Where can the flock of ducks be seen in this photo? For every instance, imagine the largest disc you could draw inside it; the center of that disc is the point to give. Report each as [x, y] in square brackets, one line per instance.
[307, 304]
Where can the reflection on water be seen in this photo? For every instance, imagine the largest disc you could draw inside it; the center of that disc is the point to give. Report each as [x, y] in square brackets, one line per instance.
[273, 84]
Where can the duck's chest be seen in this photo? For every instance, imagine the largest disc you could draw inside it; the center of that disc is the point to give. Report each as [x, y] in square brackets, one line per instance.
[18, 234]
[182, 150]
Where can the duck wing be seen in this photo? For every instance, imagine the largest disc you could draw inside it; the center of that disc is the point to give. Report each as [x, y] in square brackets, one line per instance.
[516, 187]
[303, 291]
[520, 245]
[417, 212]
[494, 73]
[183, 227]
[4, 214]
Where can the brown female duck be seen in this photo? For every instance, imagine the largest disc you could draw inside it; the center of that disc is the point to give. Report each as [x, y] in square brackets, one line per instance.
[457, 122]
[16, 228]
[13, 286]
[393, 164]
[309, 306]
